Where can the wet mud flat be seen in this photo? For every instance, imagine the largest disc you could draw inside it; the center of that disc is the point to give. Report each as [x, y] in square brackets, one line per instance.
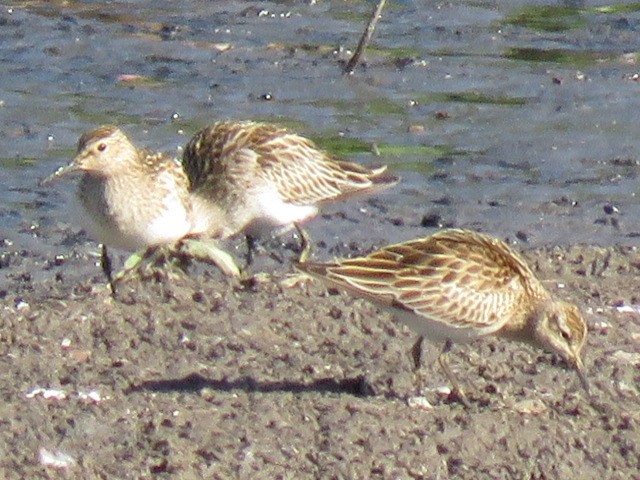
[202, 377]
[205, 378]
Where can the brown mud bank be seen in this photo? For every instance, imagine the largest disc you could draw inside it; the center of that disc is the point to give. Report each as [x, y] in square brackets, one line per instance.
[206, 378]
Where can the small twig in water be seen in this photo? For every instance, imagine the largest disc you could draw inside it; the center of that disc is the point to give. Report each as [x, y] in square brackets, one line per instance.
[366, 38]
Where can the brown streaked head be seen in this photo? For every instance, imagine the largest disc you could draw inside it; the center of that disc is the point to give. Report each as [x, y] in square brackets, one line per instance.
[561, 329]
[103, 150]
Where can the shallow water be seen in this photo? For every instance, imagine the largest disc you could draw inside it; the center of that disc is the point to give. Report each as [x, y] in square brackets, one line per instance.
[516, 118]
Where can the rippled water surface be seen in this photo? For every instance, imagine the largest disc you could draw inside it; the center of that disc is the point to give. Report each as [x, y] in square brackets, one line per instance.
[518, 118]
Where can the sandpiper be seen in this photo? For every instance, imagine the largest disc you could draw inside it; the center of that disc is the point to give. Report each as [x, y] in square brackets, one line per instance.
[131, 198]
[456, 286]
[261, 178]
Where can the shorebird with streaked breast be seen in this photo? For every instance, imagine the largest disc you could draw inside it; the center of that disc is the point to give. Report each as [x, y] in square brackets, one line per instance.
[262, 178]
[131, 198]
[457, 286]
[235, 178]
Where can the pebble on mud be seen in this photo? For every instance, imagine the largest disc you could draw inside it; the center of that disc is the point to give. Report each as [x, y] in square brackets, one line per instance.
[626, 358]
[530, 407]
[419, 402]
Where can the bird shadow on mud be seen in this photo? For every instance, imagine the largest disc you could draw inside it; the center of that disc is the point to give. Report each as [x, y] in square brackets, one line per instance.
[194, 382]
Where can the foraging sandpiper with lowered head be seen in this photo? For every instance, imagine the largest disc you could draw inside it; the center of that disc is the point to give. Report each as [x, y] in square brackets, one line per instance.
[263, 178]
[459, 285]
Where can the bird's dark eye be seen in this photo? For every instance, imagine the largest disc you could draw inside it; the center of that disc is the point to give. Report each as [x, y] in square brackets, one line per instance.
[566, 335]
[102, 147]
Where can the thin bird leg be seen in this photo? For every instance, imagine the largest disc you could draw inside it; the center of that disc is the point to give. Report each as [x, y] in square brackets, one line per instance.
[107, 267]
[251, 247]
[416, 355]
[583, 381]
[416, 352]
[444, 364]
[305, 243]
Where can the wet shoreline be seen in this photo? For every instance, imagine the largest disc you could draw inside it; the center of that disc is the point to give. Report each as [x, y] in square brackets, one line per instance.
[513, 119]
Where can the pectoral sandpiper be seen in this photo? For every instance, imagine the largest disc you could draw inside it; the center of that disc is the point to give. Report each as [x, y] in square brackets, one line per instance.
[235, 178]
[262, 178]
[131, 198]
[456, 286]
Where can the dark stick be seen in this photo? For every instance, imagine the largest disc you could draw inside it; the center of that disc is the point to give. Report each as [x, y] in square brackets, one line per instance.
[366, 38]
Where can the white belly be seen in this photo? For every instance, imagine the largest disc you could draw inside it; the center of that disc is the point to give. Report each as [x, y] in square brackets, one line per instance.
[269, 212]
[132, 224]
[440, 332]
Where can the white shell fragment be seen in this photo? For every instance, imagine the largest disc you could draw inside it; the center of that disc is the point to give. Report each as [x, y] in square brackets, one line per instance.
[92, 396]
[46, 393]
[628, 309]
[55, 459]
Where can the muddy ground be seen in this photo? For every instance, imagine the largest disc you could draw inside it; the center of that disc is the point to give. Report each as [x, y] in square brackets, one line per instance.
[513, 117]
[202, 377]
